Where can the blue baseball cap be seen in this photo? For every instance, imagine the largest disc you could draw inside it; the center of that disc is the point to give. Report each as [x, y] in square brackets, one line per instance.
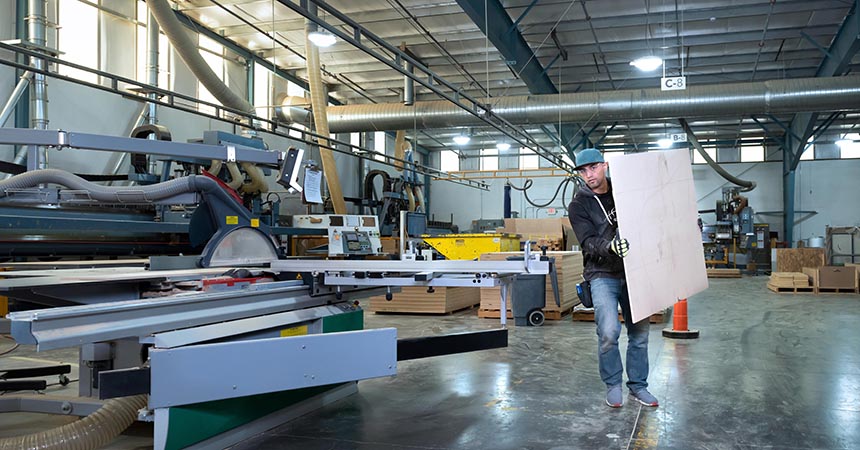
[588, 156]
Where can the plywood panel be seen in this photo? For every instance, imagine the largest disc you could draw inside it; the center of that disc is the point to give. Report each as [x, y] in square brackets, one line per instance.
[656, 206]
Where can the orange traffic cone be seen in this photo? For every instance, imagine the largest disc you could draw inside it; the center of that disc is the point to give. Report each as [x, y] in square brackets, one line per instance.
[679, 323]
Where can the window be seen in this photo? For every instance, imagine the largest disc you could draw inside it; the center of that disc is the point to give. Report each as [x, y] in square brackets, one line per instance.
[529, 159]
[78, 37]
[698, 159]
[809, 153]
[297, 133]
[489, 159]
[379, 145]
[752, 154]
[213, 53]
[449, 161]
[164, 55]
[294, 90]
[355, 140]
[262, 91]
[849, 146]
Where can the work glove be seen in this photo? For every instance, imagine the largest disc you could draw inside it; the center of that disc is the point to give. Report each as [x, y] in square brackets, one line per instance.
[620, 247]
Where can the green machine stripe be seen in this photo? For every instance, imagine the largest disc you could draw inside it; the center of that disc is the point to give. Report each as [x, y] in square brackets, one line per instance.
[191, 424]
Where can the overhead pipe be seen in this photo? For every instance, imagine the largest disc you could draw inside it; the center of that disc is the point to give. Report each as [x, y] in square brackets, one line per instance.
[409, 86]
[187, 50]
[746, 185]
[762, 97]
[152, 37]
[36, 23]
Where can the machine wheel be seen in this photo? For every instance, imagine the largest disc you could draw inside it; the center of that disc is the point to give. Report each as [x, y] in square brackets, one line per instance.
[536, 318]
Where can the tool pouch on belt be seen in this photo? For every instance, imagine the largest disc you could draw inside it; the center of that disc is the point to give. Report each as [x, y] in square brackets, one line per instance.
[583, 291]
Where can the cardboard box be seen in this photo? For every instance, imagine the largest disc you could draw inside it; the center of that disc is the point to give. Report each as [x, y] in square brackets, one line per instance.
[832, 277]
[837, 277]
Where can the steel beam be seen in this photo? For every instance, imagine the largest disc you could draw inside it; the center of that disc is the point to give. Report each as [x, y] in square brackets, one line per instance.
[497, 25]
[838, 56]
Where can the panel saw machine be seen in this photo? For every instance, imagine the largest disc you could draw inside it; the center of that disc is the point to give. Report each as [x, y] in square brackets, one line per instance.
[233, 344]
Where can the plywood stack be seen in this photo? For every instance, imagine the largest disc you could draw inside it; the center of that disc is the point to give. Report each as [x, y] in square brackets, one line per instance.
[789, 282]
[569, 268]
[795, 259]
[417, 300]
[554, 233]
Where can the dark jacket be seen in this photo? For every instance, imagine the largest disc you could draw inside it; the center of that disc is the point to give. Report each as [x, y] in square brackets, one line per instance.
[595, 233]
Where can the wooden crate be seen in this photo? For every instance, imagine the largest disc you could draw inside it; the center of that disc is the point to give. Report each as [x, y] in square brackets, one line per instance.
[569, 268]
[795, 259]
[815, 274]
[416, 300]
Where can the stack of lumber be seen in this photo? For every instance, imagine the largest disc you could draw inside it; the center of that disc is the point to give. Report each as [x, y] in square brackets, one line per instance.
[790, 282]
[795, 259]
[416, 300]
[724, 273]
[569, 268]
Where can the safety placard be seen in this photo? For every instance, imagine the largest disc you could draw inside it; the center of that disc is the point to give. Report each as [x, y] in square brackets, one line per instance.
[232, 220]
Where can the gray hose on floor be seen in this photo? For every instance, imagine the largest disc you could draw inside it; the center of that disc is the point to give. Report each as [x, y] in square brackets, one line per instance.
[91, 432]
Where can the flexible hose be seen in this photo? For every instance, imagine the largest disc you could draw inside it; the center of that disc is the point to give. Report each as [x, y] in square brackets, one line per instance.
[746, 185]
[319, 105]
[91, 432]
[419, 200]
[410, 198]
[121, 194]
[187, 50]
[528, 184]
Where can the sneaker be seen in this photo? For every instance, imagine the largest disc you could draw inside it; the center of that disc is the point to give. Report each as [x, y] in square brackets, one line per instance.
[644, 397]
[613, 396]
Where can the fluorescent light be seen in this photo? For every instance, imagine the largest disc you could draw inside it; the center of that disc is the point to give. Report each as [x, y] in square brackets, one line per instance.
[647, 63]
[461, 139]
[664, 143]
[503, 146]
[322, 38]
[842, 143]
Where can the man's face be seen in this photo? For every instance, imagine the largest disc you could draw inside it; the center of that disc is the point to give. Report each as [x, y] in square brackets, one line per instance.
[593, 174]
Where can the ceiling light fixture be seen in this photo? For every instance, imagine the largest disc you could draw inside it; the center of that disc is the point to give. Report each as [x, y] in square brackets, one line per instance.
[503, 146]
[462, 139]
[664, 143]
[647, 63]
[322, 38]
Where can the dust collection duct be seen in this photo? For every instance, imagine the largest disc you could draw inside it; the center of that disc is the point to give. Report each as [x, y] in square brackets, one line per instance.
[729, 99]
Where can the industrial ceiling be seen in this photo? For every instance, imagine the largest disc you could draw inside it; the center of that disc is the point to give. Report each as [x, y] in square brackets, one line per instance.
[582, 46]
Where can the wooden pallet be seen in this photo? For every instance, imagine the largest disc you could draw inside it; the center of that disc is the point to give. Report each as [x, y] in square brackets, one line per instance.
[557, 314]
[791, 290]
[427, 313]
[493, 314]
[724, 273]
[588, 316]
[822, 290]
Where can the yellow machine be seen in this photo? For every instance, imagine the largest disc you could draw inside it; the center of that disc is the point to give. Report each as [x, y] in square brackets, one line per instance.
[471, 246]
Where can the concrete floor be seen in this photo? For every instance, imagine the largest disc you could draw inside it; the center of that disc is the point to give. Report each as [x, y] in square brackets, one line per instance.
[769, 371]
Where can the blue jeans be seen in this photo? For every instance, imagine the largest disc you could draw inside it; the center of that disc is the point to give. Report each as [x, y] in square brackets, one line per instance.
[607, 294]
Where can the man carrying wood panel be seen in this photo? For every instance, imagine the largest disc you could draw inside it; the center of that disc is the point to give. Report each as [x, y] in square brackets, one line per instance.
[593, 217]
